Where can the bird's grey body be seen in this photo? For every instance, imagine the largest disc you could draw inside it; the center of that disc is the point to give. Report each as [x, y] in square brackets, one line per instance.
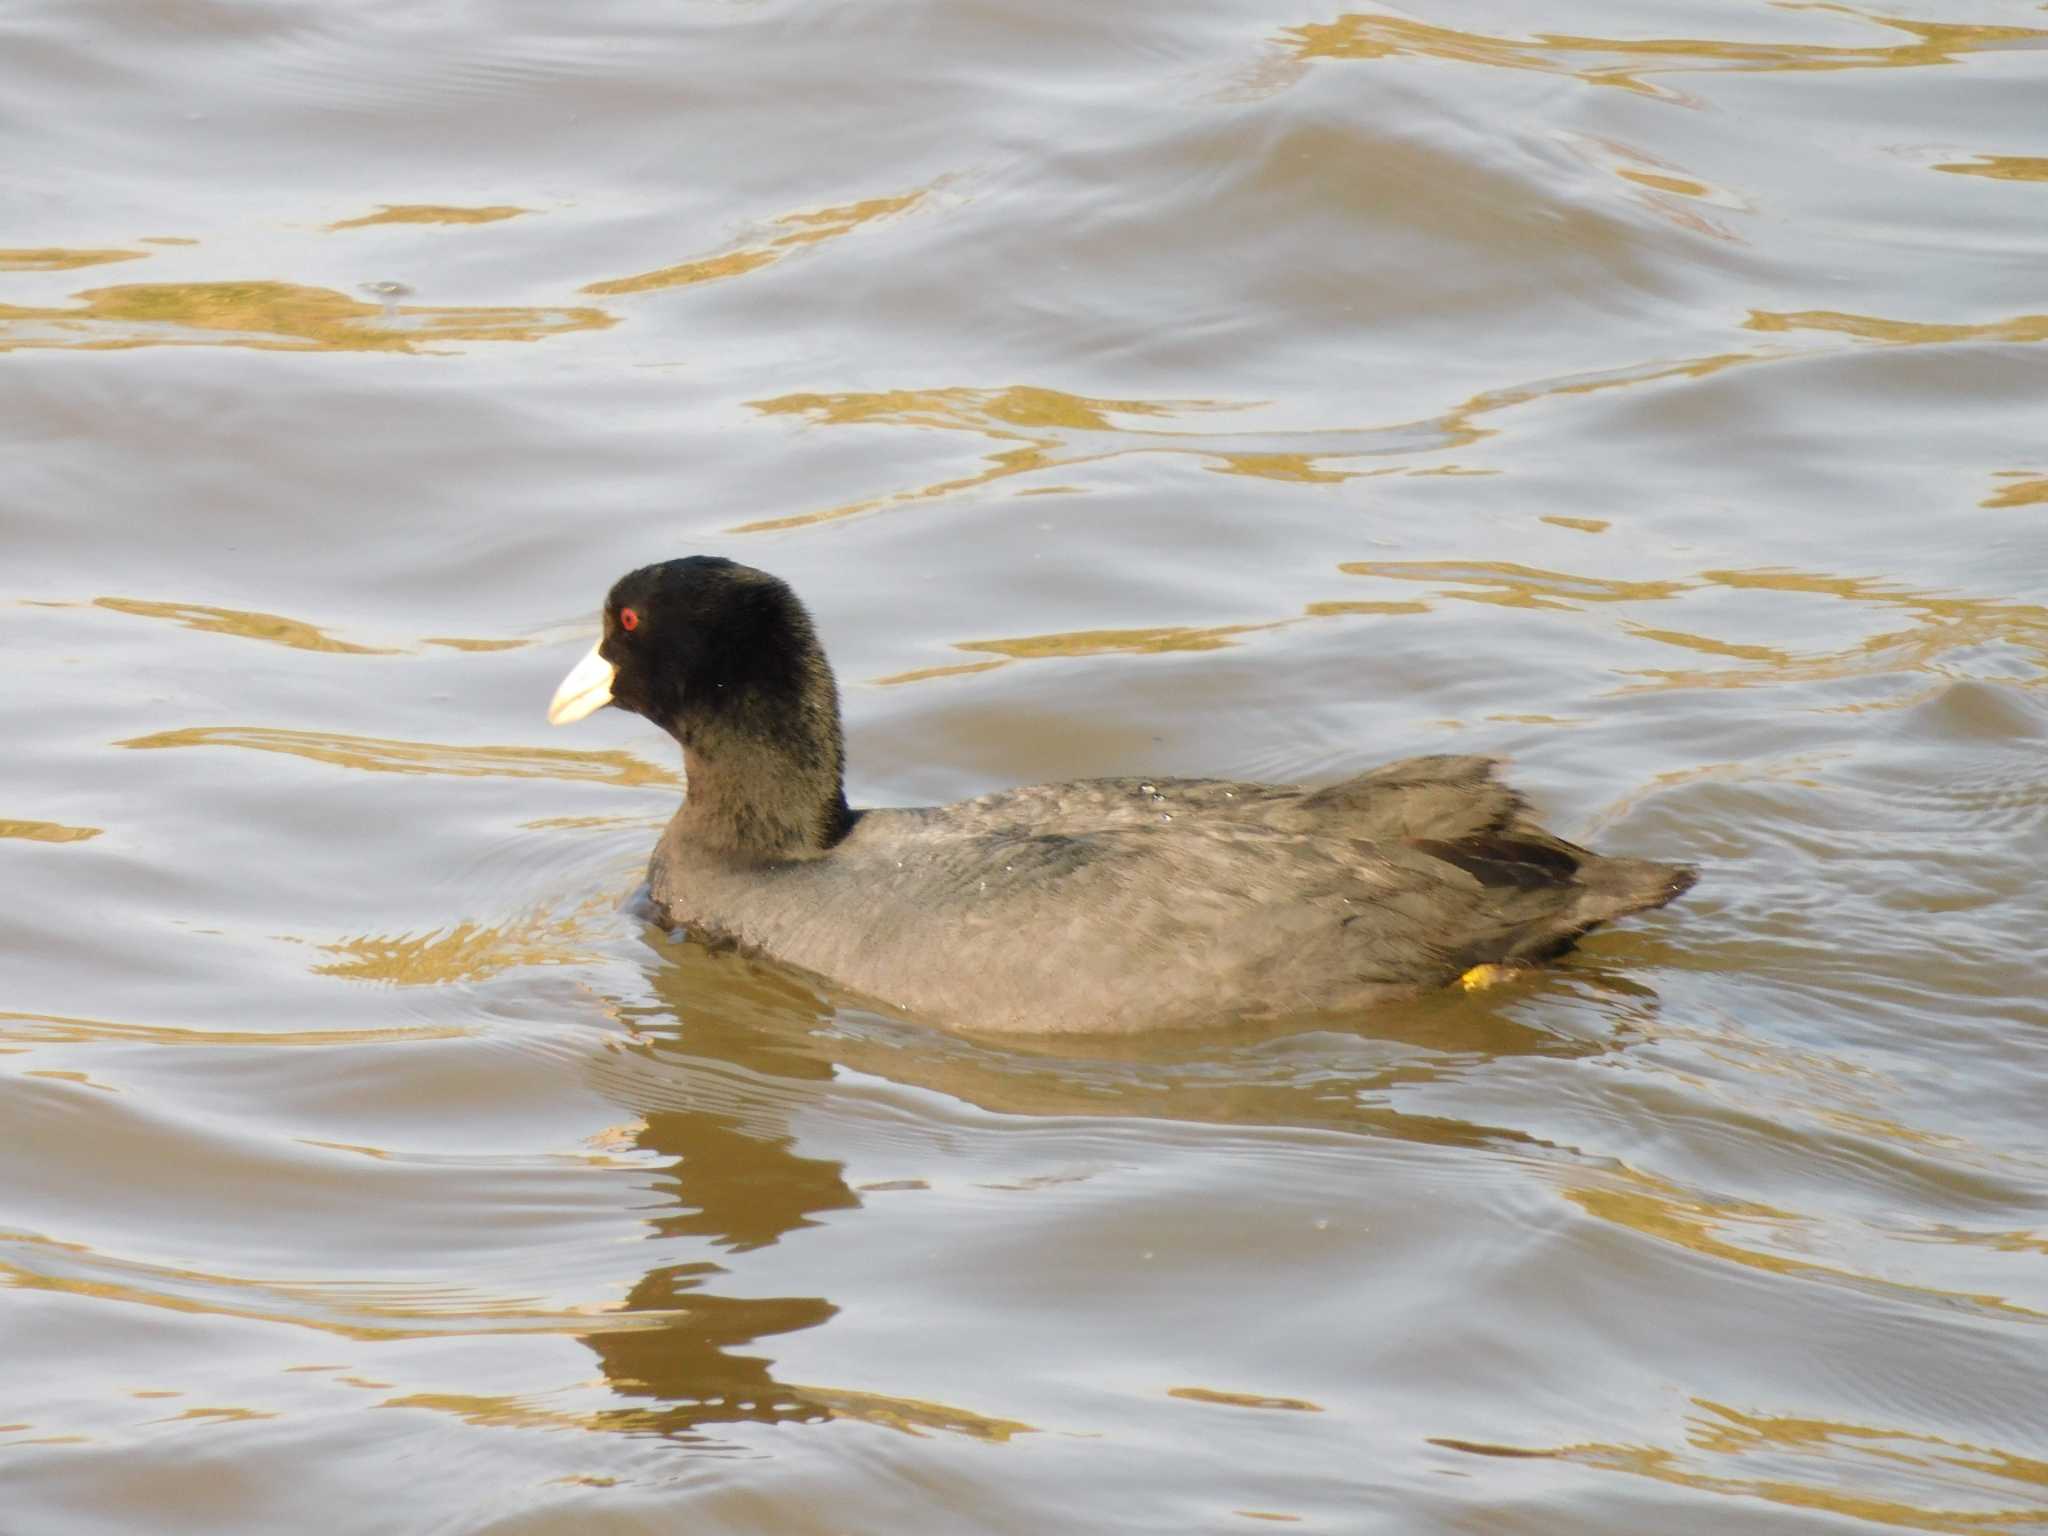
[1135, 904]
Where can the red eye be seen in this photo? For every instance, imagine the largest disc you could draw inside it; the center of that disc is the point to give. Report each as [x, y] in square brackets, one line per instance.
[629, 619]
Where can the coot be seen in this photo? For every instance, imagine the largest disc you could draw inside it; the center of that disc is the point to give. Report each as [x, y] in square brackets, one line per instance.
[1098, 905]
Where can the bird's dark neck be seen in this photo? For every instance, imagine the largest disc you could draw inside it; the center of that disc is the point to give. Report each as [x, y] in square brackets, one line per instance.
[764, 777]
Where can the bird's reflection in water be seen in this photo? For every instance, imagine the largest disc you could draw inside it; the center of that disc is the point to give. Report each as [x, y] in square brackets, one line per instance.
[738, 1191]
[716, 1069]
[715, 1074]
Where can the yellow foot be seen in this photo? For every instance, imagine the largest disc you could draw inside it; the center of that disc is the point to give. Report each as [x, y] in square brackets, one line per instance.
[1485, 976]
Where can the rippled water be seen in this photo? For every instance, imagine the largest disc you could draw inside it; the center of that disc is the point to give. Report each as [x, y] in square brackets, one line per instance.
[1653, 395]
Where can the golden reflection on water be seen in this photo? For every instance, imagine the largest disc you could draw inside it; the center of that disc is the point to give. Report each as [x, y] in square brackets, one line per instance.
[925, 674]
[1770, 655]
[1628, 63]
[1943, 623]
[1514, 586]
[1658, 1209]
[580, 823]
[504, 1411]
[277, 629]
[82, 1079]
[1997, 1242]
[1104, 642]
[707, 270]
[791, 232]
[1043, 429]
[913, 1415]
[1055, 430]
[1087, 642]
[215, 1415]
[1281, 466]
[907, 1415]
[54, 259]
[1107, 642]
[457, 643]
[1674, 184]
[1663, 187]
[1886, 1128]
[431, 213]
[234, 621]
[56, 1029]
[1021, 405]
[373, 754]
[1339, 609]
[1242, 1399]
[2027, 493]
[2001, 167]
[1875, 328]
[352, 1310]
[270, 316]
[46, 831]
[1843, 1459]
[463, 952]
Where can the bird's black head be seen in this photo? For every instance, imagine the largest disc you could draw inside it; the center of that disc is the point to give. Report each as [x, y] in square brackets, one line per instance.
[725, 659]
[693, 638]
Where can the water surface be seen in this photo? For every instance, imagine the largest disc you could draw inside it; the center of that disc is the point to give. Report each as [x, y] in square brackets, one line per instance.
[1655, 398]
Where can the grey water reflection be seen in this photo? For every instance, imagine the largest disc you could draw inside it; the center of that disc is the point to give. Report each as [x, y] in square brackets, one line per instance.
[734, 1062]
[734, 1051]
